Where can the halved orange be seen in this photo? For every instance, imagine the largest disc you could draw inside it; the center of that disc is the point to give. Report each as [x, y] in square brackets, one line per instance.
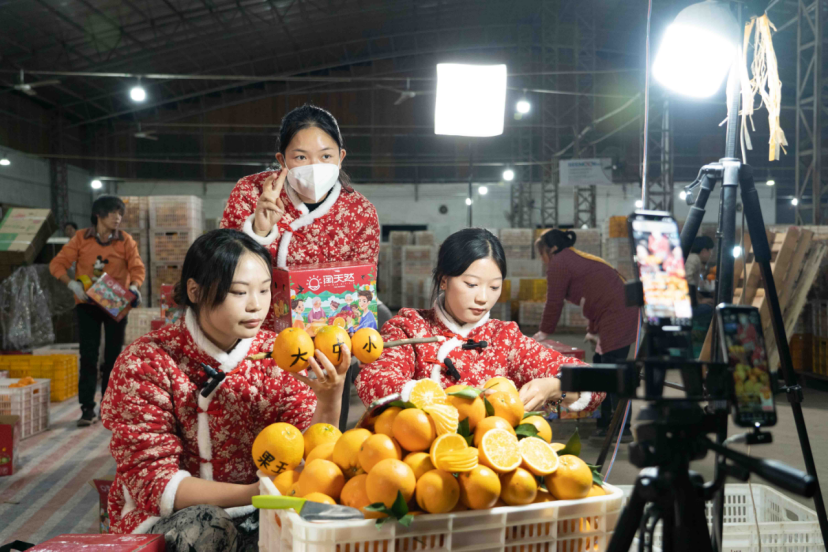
[446, 418]
[445, 444]
[424, 393]
[499, 451]
[458, 461]
[538, 457]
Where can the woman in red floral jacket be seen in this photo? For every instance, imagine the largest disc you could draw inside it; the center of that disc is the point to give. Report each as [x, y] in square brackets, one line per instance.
[470, 269]
[317, 217]
[184, 460]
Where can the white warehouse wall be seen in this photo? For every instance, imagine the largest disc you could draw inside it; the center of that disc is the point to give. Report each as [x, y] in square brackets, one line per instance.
[26, 183]
[410, 204]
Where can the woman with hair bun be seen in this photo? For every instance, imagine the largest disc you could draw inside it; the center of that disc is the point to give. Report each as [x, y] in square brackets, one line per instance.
[467, 282]
[591, 282]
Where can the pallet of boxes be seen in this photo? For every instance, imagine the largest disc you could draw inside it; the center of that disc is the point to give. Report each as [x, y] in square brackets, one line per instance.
[418, 262]
[175, 222]
[394, 295]
[521, 263]
[23, 233]
[136, 223]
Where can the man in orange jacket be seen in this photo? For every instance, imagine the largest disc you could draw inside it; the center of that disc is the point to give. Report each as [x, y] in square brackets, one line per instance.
[102, 244]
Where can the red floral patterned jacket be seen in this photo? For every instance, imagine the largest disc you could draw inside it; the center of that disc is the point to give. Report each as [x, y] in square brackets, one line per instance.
[509, 353]
[164, 431]
[343, 228]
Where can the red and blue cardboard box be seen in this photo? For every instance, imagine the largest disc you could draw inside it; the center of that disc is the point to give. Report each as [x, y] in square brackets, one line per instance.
[329, 294]
[10, 430]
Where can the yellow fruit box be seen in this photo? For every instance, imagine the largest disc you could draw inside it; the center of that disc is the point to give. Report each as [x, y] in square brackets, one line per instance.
[532, 289]
[585, 524]
[61, 370]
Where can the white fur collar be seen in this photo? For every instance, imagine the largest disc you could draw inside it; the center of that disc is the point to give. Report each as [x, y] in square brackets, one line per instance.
[227, 361]
[446, 319]
[306, 219]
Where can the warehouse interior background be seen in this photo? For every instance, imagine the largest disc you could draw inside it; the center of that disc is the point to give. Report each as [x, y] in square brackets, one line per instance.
[218, 75]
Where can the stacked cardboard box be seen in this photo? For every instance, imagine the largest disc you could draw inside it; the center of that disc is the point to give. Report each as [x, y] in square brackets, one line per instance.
[175, 222]
[424, 238]
[417, 265]
[397, 240]
[23, 233]
[517, 243]
[136, 223]
[589, 241]
[139, 323]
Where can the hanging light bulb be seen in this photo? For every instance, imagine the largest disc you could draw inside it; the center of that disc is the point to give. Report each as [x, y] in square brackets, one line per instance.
[5, 161]
[639, 204]
[523, 106]
[508, 175]
[770, 182]
[468, 201]
[794, 202]
[97, 184]
[483, 190]
[137, 93]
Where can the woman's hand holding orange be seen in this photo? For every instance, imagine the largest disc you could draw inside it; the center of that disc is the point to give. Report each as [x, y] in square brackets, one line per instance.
[329, 378]
[269, 209]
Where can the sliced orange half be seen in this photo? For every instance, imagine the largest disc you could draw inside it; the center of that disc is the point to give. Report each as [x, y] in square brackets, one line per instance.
[538, 457]
[499, 451]
[426, 393]
[446, 418]
[458, 461]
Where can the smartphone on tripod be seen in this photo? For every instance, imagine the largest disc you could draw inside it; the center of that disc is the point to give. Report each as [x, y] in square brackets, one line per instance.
[657, 252]
[743, 345]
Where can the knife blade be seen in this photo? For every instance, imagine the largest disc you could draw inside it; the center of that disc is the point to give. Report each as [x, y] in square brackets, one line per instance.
[310, 511]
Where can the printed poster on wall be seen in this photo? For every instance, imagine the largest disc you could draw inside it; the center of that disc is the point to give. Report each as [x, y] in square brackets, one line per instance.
[586, 172]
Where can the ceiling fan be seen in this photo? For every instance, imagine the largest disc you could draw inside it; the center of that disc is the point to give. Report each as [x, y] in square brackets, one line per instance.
[28, 88]
[145, 134]
[406, 94]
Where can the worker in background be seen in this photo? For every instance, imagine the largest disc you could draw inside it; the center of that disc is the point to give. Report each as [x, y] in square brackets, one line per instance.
[592, 283]
[101, 243]
[69, 229]
[317, 217]
[695, 266]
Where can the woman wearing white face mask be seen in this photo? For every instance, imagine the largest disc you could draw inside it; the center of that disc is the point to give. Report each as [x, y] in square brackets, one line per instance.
[317, 217]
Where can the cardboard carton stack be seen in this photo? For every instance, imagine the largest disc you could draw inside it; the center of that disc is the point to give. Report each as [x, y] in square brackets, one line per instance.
[398, 240]
[136, 224]
[175, 222]
[23, 233]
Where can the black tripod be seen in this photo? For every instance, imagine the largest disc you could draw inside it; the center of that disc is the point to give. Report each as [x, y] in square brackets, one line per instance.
[671, 434]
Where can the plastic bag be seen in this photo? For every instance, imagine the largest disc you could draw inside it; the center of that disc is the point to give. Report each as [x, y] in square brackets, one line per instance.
[25, 310]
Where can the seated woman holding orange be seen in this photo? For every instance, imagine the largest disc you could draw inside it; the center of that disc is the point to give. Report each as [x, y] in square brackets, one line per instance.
[468, 279]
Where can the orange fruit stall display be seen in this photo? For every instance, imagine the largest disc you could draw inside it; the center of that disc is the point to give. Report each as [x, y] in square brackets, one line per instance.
[538, 457]
[499, 383]
[479, 488]
[492, 422]
[285, 480]
[571, 480]
[322, 452]
[278, 448]
[543, 427]
[387, 479]
[367, 345]
[355, 495]
[331, 340]
[414, 430]
[499, 450]
[376, 448]
[322, 476]
[346, 451]
[292, 350]
[420, 463]
[319, 434]
[320, 497]
[518, 487]
[385, 421]
[507, 406]
[472, 409]
[437, 492]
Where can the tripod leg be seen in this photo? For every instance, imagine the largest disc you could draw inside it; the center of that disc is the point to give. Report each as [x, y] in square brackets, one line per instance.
[617, 416]
[630, 518]
[761, 248]
[696, 214]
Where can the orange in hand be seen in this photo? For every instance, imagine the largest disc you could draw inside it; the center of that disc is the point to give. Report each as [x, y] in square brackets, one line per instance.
[292, 350]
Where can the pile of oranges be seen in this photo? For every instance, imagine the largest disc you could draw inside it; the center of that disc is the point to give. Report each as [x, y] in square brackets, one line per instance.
[23, 382]
[441, 450]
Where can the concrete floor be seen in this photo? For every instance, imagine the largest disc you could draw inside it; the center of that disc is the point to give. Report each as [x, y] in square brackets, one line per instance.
[785, 447]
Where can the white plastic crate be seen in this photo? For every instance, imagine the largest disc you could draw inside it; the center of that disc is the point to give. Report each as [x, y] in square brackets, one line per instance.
[139, 323]
[565, 525]
[31, 403]
[785, 525]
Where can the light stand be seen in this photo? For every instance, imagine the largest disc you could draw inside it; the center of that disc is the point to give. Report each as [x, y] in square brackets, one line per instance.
[733, 174]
